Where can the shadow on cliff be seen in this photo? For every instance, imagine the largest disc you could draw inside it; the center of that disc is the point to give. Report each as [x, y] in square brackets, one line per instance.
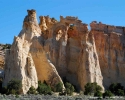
[0, 85]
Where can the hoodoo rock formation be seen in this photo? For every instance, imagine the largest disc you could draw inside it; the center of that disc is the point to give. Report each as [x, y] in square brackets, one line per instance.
[66, 50]
[27, 61]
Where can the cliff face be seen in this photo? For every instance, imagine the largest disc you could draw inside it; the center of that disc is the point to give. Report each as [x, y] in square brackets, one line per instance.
[71, 48]
[110, 45]
[2, 58]
[3, 48]
[83, 56]
[66, 47]
[27, 60]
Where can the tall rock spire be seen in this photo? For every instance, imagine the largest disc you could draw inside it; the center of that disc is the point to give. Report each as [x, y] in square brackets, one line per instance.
[27, 60]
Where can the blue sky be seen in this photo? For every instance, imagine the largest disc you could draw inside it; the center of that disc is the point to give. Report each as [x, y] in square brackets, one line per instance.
[12, 13]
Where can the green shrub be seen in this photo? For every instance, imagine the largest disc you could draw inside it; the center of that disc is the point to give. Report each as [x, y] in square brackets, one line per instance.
[32, 90]
[98, 94]
[108, 94]
[14, 86]
[69, 88]
[59, 87]
[43, 88]
[117, 89]
[120, 92]
[17, 96]
[92, 88]
[6, 46]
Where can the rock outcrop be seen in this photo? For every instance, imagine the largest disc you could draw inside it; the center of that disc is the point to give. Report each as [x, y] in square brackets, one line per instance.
[66, 50]
[27, 60]
[110, 45]
[71, 48]
[2, 59]
[3, 48]
[83, 56]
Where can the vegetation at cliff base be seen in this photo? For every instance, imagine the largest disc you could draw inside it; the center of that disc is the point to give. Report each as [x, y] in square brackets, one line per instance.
[69, 88]
[108, 94]
[32, 90]
[117, 89]
[43, 88]
[93, 89]
[59, 87]
[14, 87]
[98, 94]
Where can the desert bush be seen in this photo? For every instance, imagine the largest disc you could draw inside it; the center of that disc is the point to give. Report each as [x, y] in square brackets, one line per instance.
[6, 46]
[14, 86]
[43, 88]
[117, 89]
[98, 94]
[59, 87]
[92, 89]
[108, 94]
[69, 88]
[32, 90]
[120, 92]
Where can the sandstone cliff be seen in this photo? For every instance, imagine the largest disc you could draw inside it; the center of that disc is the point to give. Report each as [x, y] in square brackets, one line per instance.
[2, 59]
[27, 60]
[67, 47]
[71, 48]
[110, 45]
[83, 56]
[3, 48]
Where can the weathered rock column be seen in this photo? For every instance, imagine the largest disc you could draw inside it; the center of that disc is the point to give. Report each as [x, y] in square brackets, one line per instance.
[27, 61]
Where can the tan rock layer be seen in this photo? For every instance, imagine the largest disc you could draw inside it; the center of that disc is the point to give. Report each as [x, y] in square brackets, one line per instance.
[27, 60]
[72, 50]
[110, 42]
[66, 47]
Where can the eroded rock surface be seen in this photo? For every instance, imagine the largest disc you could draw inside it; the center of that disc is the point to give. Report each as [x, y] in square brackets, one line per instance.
[3, 48]
[27, 60]
[67, 47]
[71, 48]
[110, 45]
